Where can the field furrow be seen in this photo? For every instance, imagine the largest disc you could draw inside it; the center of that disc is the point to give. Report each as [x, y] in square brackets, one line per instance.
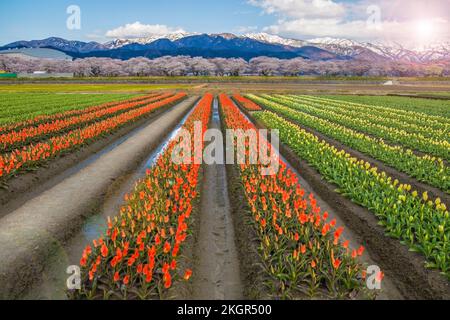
[18, 139]
[138, 255]
[300, 247]
[423, 168]
[414, 219]
[433, 147]
[387, 119]
[33, 155]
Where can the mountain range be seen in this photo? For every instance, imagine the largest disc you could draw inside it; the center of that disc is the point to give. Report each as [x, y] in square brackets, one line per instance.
[247, 46]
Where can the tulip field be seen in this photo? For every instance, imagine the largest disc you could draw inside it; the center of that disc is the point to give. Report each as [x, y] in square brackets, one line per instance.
[420, 222]
[357, 207]
[20, 154]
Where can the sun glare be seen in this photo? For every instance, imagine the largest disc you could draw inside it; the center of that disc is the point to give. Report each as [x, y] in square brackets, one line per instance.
[424, 29]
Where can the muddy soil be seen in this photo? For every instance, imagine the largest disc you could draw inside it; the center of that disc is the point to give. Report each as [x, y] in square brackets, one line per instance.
[404, 269]
[36, 232]
[216, 269]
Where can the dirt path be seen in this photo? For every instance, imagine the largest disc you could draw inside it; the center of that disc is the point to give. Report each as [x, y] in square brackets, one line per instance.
[216, 273]
[35, 233]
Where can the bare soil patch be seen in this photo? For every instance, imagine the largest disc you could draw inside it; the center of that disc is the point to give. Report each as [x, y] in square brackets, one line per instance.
[216, 272]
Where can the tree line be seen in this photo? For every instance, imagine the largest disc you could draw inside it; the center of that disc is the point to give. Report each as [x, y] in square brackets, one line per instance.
[198, 66]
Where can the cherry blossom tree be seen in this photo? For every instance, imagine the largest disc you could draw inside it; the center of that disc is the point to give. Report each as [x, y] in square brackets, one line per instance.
[196, 66]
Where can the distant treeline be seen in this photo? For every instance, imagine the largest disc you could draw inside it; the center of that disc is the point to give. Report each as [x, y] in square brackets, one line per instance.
[197, 66]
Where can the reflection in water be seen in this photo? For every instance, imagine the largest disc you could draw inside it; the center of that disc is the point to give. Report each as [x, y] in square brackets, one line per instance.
[93, 227]
[155, 154]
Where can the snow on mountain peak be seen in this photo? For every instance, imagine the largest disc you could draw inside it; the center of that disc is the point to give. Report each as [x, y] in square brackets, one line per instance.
[334, 41]
[117, 43]
[274, 39]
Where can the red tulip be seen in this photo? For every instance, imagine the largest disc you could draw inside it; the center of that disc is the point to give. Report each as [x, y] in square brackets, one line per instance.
[104, 250]
[187, 274]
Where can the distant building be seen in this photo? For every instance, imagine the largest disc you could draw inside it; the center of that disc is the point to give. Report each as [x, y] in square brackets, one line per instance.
[391, 83]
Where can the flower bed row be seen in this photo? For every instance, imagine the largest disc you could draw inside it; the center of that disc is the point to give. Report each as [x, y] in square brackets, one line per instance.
[24, 107]
[301, 248]
[415, 141]
[420, 223]
[408, 116]
[17, 139]
[138, 256]
[32, 155]
[246, 103]
[375, 116]
[423, 168]
[36, 121]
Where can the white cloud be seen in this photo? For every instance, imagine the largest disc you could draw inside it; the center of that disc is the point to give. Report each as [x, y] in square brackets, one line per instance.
[356, 29]
[301, 8]
[328, 18]
[139, 30]
[400, 31]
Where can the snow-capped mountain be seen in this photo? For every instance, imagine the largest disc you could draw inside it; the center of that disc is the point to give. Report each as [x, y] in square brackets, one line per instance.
[340, 46]
[273, 39]
[352, 48]
[245, 46]
[118, 43]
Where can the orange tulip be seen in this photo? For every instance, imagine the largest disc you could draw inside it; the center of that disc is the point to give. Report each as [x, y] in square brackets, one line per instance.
[104, 250]
[361, 251]
[187, 274]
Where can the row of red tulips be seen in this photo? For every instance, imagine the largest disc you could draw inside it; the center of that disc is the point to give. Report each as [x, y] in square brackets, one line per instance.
[248, 104]
[138, 256]
[32, 155]
[48, 118]
[302, 250]
[18, 138]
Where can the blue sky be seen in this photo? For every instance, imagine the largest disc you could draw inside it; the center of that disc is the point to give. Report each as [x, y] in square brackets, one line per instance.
[31, 19]
[304, 19]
